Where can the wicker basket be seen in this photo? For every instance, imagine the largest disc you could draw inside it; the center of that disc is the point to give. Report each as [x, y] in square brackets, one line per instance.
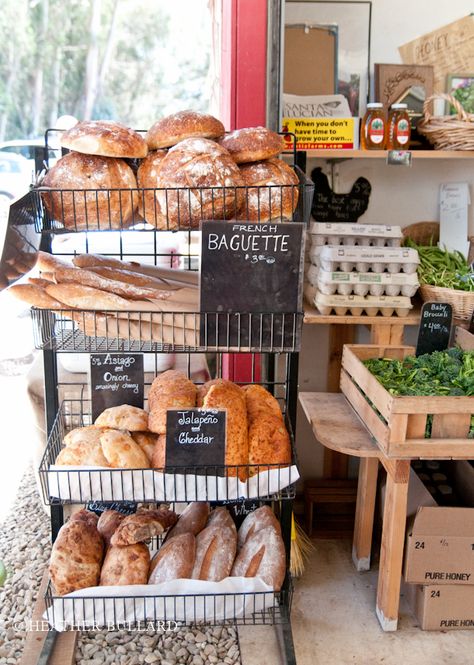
[448, 132]
[423, 233]
[462, 302]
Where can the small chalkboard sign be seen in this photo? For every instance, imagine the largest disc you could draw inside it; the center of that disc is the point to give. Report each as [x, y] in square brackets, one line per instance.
[116, 378]
[195, 439]
[250, 268]
[435, 327]
[471, 325]
[239, 510]
[124, 507]
[329, 206]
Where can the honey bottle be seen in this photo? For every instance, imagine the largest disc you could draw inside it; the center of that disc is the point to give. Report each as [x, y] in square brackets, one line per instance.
[373, 130]
[398, 128]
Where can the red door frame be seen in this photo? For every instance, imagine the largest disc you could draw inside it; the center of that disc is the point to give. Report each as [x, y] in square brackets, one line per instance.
[243, 104]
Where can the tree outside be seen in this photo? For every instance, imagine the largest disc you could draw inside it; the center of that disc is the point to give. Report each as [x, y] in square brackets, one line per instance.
[127, 60]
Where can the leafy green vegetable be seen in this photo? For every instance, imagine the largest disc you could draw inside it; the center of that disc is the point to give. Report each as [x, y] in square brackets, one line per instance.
[439, 267]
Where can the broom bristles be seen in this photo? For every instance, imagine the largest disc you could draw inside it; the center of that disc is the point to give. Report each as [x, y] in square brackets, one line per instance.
[301, 548]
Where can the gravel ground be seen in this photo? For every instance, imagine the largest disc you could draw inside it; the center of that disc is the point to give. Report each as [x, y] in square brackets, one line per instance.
[25, 548]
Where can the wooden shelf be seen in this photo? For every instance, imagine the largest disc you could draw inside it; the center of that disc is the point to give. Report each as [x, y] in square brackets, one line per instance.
[382, 154]
[312, 316]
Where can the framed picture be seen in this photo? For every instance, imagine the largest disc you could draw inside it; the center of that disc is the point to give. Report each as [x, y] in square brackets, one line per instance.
[351, 23]
[409, 84]
[461, 87]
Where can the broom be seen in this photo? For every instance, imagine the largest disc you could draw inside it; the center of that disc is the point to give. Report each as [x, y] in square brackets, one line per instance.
[301, 548]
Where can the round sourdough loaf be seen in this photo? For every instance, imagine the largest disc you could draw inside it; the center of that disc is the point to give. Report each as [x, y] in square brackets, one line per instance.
[196, 180]
[79, 209]
[183, 125]
[105, 138]
[272, 191]
[147, 178]
[252, 144]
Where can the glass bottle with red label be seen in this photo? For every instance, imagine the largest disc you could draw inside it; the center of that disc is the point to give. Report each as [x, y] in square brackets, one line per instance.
[373, 130]
[398, 128]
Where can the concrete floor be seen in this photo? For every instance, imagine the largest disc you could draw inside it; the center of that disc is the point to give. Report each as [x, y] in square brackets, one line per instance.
[334, 622]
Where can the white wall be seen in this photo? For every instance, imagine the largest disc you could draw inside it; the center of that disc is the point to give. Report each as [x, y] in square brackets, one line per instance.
[400, 195]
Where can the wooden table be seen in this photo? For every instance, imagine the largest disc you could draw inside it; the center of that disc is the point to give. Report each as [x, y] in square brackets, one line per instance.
[384, 331]
[337, 426]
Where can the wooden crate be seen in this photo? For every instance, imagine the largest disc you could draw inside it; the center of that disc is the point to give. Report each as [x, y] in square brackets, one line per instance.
[398, 423]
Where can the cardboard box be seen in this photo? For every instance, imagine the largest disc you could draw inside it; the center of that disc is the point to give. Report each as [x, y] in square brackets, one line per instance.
[440, 547]
[442, 607]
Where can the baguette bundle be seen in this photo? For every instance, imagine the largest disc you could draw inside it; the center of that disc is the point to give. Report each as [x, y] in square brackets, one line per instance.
[121, 299]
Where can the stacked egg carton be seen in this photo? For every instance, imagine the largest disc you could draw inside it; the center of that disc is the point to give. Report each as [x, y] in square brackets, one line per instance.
[357, 268]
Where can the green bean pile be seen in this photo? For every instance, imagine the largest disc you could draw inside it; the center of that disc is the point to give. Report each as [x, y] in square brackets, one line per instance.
[438, 267]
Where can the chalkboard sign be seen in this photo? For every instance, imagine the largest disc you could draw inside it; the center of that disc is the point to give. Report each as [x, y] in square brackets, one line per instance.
[116, 378]
[239, 510]
[124, 507]
[435, 327]
[329, 206]
[471, 325]
[250, 268]
[195, 438]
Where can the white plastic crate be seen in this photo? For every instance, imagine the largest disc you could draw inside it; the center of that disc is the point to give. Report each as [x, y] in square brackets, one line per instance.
[357, 305]
[364, 283]
[337, 233]
[366, 259]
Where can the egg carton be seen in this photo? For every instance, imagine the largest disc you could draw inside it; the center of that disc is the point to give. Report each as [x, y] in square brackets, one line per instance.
[366, 259]
[357, 305]
[364, 283]
[372, 235]
[310, 293]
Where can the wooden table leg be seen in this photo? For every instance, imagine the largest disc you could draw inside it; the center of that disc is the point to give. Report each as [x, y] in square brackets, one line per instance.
[393, 539]
[365, 508]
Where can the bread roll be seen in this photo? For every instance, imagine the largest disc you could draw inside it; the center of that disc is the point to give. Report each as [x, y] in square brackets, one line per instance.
[175, 560]
[125, 565]
[158, 459]
[231, 398]
[146, 441]
[125, 417]
[272, 191]
[82, 453]
[221, 518]
[142, 526]
[264, 556]
[170, 390]
[196, 180]
[215, 552]
[269, 443]
[80, 209]
[108, 523]
[252, 144]
[192, 520]
[255, 521]
[35, 296]
[76, 555]
[105, 138]
[169, 131]
[88, 434]
[122, 452]
[260, 402]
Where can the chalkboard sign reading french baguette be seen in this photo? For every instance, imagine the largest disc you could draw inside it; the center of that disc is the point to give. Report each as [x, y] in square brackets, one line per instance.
[116, 378]
[195, 439]
[255, 270]
[435, 327]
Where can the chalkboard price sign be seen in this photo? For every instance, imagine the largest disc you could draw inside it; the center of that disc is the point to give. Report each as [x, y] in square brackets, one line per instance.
[116, 378]
[250, 269]
[195, 438]
[124, 507]
[435, 327]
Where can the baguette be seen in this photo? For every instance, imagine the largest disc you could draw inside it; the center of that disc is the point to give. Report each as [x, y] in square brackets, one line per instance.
[35, 295]
[86, 297]
[264, 556]
[50, 263]
[168, 274]
[89, 278]
[175, 559]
